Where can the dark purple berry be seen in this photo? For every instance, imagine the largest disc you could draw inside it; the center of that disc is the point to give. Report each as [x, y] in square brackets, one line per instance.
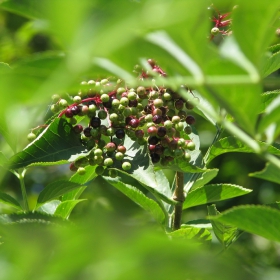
[190, 120]
[128, 119]
[95, 122]
[120, 134]
[153, 140]
[68, 113]
[133, 103]
[78, 128]
[72, 167]
[87, 131]
[148, 109]
[75, 110]
[161, 131]
[155, 158]
[159, 149]
[179, 104]
[157, 119]
[173, 144]
[139, 133]
[134, 123]
[108, 104]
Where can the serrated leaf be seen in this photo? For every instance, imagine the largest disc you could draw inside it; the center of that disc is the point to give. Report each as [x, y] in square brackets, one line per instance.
[56, 143]
[200, 223]
[65, 208]
[205, 178]
[49, 207]
[54, 190]
[270, 173]
[7, 199]
[189, 232]
[233, 144]
[271, 63]
[225, 233]
[268, 97]
[138, 197]
[212, 193]
[256, 219]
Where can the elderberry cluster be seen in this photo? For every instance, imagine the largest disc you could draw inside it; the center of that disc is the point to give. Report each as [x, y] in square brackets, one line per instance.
[154, 116]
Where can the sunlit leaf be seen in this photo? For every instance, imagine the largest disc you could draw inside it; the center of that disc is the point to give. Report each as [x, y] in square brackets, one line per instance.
[65, 208]
[256, 219]
[270, 173]
[212, 193]
[189, 232]
[57, 142]
[233, 144]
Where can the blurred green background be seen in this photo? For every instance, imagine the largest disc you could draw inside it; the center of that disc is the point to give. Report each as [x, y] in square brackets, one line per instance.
[50, 46]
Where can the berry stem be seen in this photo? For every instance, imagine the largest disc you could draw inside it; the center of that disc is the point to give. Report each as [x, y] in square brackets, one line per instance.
[23, 190]
[180, 198]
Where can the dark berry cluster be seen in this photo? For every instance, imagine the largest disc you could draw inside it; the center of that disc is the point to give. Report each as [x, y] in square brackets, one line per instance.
[154, 116]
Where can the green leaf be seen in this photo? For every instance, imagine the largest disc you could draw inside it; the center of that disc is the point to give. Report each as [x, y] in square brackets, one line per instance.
[7, 199]
[49, 207]
[271, 63]
[212, 193]
[54, 190]
[268, 97]
[246, 30]
[205, 178]
[56, 143]
[73, 195]
[225, 233]
[270, 173]
[189, 232]
[256, 219]
[88, 176]
[65, 208]
[138, 197]
[232, 144]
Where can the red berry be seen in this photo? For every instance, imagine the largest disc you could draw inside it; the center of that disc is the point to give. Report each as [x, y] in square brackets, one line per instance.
[78, 128]
[134, 123]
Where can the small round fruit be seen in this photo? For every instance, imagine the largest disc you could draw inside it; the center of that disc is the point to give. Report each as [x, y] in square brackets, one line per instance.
[187, 157]
[99, 170]
[215, 31]
[105, 97]
[102, 114]
[190, 146]
[114, 117]
[63, 103]
[119, 156]
[155, 158]
[77, 99]
[158, 103]
[176, 119]
[153, 140]
[168, 124]
[120, 134]
[108, 162]
[81, 171]
[190, 120]
[98, 152]
[55, 98]
[157, 119]
[132, 95]
[121, 149]
[72, 167]
[31, 136]
[92, 108]
[113, 173]
[126, 166]
[134, 123]
[68, 113]
[95, 122]
[161, 132]
[87, 131]
[78, 128]
[111, 147]
[188, 129]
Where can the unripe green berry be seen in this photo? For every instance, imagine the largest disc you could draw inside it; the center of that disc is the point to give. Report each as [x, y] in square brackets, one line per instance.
[153, 95]
[92, 108]
[149, 118]
[114, 117]
[104, 82]
[168, 124]
[187, 156]
[178, 153]
[190, 146]
[158, 103]
[102, 114]
[99, 170]
[77, 99]
[132, 95]
[98, 152]
[72, 121]
[63, 103]
[81, 171]
[31, 136]
[124, 101]
[167, 96]
[179, 126]
[108, 162]
[110, 131]
[94, 132]
[126, 166]
[120, 90]
[54, 108]
[115, 103]
[188, 129]
[127, 112]
[105, 97]
[55, 98]
[119, 156]
[176, 119]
